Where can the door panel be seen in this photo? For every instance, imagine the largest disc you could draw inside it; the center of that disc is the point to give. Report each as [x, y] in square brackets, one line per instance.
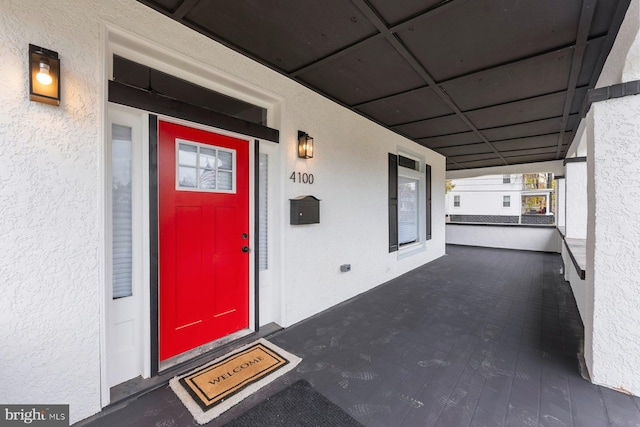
[203, 225]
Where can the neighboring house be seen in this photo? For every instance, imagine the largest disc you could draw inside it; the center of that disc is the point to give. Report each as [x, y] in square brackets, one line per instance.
[502, 199]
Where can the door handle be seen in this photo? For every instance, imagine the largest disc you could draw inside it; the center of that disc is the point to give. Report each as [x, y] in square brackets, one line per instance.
[246, 249]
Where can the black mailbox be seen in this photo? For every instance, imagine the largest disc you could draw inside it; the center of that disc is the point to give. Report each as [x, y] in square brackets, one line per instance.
[305, 210]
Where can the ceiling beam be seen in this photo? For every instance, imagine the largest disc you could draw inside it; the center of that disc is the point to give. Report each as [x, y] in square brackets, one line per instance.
[373, 17]
[335, 55]
[582, 36]
[495, 67]
[431, 12]
[183, 9]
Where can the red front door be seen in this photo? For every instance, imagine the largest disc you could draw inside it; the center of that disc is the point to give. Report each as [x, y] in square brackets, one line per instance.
[204, 235]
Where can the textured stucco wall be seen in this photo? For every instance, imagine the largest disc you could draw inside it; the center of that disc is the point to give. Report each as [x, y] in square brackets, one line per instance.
[49, 221]
[50, 195]
[612, 261]
[544, 239]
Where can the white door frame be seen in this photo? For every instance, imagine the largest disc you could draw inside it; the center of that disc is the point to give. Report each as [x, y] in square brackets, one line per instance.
[135, 307]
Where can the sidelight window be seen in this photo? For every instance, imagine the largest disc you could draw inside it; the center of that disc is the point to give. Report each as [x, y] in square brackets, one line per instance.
[121, 211]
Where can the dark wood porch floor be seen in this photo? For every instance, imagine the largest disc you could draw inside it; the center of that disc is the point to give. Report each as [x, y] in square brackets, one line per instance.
[480, 337]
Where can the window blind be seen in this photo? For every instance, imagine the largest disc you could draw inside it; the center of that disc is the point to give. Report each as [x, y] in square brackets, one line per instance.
[263, 254]
[121, 211]
[408, 209]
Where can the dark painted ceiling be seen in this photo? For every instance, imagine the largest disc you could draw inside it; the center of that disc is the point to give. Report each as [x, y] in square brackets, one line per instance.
[483, 82]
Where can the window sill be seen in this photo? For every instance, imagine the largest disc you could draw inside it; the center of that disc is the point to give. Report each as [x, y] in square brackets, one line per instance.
[407, 251]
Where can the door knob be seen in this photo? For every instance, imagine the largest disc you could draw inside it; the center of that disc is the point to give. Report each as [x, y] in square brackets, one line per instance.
[246, 249]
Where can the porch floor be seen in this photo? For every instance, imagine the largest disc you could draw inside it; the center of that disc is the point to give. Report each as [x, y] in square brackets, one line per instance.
[480, 337]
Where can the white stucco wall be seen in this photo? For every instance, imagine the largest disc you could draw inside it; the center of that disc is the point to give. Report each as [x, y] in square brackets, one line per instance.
[613, 252]
[51, 201]
[576, 200]
[49, 214]
[609, 310]
[560, 202]
[529, 238]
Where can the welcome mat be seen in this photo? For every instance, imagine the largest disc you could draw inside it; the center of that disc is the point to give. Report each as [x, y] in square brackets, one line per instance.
[215, 387]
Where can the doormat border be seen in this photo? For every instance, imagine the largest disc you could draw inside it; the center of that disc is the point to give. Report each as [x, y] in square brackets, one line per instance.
[204, 416]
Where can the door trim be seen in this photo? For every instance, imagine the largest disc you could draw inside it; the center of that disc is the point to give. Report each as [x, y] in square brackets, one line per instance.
[122, 42]
[253, 145]
[152, 102]
[256, 231]
[153, 245]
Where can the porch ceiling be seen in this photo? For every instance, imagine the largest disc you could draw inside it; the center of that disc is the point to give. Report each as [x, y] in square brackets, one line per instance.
[483, 82]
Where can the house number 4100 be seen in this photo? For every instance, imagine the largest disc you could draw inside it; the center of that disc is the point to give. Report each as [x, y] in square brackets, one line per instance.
[303, 178]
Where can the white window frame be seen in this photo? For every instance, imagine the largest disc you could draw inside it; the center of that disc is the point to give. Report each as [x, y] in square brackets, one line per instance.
[456, 200]
[506, 179]
[137, 120]
[507, 199]
[198, 146]
[419, 245]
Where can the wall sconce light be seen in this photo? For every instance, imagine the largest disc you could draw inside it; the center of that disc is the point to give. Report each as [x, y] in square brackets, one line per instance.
[305, 145]
[44, 75]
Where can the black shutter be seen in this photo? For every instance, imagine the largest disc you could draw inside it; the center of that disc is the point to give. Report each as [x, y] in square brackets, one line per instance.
[428, 185]
[393, 202]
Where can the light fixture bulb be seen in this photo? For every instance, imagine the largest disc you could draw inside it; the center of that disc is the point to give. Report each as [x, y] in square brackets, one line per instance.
[43, 75]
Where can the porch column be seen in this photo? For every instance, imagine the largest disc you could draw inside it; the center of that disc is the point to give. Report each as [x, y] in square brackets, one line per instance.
[560, 201]
[576, 197]
[612, 332]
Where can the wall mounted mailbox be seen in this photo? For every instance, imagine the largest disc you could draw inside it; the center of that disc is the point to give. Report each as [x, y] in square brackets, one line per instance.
[305, 210]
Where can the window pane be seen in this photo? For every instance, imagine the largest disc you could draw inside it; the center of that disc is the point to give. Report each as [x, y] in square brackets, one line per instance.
[121, 212]
[225, 181]
[207, 158]
[225, 160]
[407, 210]
[187, 155]
[204, 167]
[208, 179]
[187, 177]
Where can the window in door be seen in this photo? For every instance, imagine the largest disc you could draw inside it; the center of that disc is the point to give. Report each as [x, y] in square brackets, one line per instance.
[205, 167]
